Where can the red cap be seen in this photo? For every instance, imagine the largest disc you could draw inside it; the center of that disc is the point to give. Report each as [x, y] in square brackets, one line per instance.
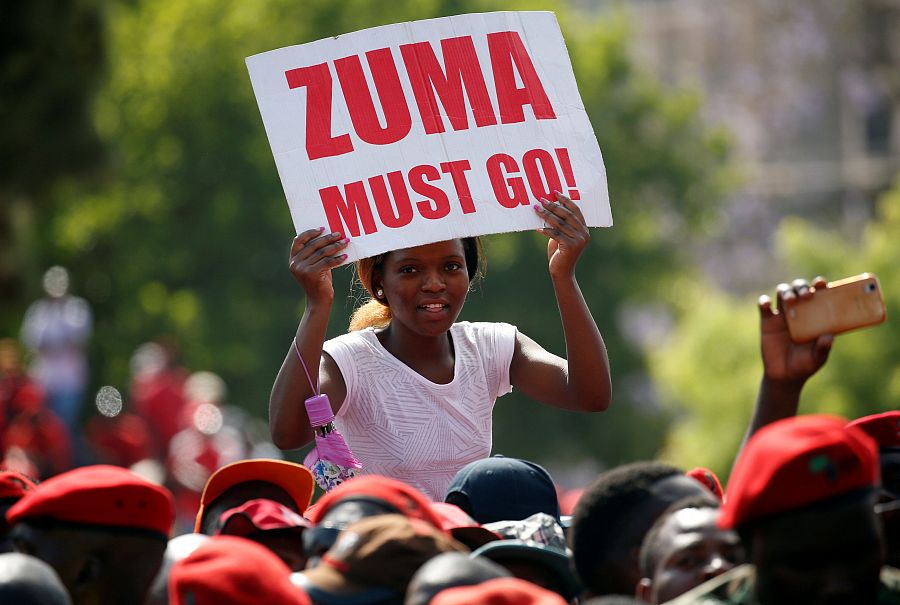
[14, 484]
[232, 571]
[108, 496]
[707, 479]
[463, 527]
[499, 591]
[408, 501]
[293, 478]
[258, 515]
[796, 462]
[883, 428]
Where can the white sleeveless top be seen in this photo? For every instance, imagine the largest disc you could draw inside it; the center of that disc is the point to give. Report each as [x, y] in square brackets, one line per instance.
[401, 425]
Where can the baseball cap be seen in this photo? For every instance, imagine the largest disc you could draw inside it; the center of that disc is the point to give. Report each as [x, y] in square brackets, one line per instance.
[101, 495]
[797, 462]
[293, 478]
[555, 560]
[883, 428]
[376, 556]
[707, 479]
[260, 514]
[501, 591]
[14, 484]
[226, 570]
[463, 527]
[503, 489]
[403, 498]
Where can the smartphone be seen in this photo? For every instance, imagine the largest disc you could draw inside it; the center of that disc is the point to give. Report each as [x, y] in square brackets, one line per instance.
[847, 304]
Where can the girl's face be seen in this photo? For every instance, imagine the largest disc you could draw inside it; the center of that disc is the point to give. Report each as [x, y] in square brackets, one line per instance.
[425, 286]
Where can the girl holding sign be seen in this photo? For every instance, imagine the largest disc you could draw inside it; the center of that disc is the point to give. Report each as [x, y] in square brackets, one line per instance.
[413, 390]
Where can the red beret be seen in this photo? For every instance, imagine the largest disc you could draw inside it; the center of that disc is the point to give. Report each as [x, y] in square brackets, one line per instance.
[108, 496]
[14, 484]
[796, 462]
[499, 591]
[226, 570]
[883, 428]
[408, 501]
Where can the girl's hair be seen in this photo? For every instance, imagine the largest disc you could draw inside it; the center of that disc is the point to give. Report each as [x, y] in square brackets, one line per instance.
[374, 313]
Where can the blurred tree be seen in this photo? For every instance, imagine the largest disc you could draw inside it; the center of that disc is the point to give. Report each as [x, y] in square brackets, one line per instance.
[710, 369]
[191, 235]
[51, 61]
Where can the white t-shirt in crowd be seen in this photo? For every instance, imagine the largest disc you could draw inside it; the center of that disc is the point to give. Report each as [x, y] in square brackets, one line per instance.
[401, 425]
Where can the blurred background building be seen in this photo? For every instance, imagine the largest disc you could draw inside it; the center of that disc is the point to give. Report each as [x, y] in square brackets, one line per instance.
[809, 89]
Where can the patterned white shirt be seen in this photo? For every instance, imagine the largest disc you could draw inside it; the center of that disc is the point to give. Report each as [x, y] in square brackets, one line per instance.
[401, 425]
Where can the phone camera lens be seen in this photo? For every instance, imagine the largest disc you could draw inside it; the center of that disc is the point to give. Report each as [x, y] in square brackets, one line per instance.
[870, 287]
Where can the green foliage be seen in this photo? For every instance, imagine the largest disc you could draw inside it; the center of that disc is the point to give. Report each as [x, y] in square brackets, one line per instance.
[190, 235]
[710, 369]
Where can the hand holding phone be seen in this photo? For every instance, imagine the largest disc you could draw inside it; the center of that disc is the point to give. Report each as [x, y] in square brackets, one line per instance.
[848, 304]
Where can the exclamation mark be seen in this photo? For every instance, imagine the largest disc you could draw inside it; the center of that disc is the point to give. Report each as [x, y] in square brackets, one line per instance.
[563, 154]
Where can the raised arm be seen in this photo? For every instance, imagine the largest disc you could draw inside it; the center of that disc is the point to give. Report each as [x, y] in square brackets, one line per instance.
[313, 256]
[786, 365]
[581, 382]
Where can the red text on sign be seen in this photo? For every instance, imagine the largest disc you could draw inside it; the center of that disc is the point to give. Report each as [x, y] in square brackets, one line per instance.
[458, 86]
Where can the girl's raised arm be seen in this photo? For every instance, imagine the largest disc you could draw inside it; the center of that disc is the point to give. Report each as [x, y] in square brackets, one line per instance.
[581, 382]
[313, 256]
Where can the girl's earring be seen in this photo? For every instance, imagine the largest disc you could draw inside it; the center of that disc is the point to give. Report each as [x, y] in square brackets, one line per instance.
[379, 293]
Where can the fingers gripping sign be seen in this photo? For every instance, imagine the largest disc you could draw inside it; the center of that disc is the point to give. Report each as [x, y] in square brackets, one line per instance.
[567, 231]
[314, 254]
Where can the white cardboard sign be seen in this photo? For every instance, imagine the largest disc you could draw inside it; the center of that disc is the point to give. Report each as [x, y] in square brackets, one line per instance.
[425, 131]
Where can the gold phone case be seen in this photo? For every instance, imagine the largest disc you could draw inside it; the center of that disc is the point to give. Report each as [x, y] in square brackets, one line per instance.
[847, 304]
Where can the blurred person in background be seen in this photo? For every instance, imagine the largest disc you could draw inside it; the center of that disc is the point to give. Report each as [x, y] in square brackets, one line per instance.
[157, 391]
[33, 440]
[56, 329]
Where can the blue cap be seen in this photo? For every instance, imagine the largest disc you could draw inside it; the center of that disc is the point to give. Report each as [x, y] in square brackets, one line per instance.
[503, 489]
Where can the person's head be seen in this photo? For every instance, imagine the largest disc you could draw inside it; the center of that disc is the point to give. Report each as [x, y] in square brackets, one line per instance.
[56, 281]
[374, 559]
[613, 516]
[13, 485]
[545, 566]
[232, 485]
[452, 266]
[103, 529]
[503, 489]
[177, 549]
[802, 498]
[884, 428]
[448, 570]
[500, 591]
[226, 570]
[271, 524]
[26, 580]
[685, 548]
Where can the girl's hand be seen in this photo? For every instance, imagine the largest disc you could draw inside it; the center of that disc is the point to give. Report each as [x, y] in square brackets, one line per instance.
[567, 231]
[313, 256]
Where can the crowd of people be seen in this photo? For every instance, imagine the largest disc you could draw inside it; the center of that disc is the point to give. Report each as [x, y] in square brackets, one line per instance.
[809, 514]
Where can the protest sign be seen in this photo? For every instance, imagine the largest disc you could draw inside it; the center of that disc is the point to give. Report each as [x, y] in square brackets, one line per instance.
[419, 132]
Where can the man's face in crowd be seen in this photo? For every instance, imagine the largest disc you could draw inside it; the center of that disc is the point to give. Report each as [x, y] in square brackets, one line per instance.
[821, 556]
[58, 548]
[665, 492]
[690, 550]
[890, 495]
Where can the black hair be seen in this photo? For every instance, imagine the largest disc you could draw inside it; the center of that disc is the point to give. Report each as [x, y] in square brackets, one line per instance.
[598, 531]
[648, 559]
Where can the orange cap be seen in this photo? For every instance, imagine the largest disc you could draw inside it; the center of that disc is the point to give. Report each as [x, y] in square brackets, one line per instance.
[293, 478]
